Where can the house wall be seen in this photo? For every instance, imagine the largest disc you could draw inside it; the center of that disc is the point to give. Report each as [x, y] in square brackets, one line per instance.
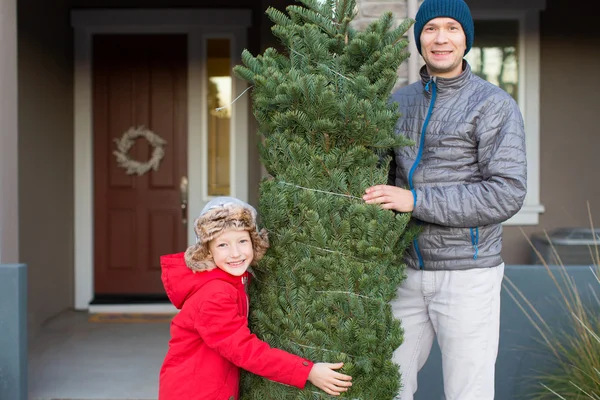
[45, 110]
[570, 137]
[569, 54]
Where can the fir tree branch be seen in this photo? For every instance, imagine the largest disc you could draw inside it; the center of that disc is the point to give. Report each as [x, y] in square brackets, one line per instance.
[321, 64]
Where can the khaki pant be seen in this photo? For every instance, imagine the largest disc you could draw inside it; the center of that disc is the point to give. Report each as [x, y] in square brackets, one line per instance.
[461, 309]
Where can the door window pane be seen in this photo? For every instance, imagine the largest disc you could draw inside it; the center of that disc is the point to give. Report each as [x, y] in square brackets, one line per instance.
[219, 120]
[495, 54]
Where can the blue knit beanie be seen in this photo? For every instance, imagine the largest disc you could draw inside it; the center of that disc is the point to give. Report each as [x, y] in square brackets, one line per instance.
[456, 9]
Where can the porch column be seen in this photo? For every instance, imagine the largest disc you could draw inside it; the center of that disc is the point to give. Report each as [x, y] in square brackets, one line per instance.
[9, 177]
[13, 282]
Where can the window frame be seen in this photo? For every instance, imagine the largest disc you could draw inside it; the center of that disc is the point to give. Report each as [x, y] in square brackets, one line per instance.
[239, 122]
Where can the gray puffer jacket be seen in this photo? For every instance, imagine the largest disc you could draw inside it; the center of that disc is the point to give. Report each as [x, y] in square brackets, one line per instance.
[467, 171]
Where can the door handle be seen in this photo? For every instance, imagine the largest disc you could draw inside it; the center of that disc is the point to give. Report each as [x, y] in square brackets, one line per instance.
[183, 198]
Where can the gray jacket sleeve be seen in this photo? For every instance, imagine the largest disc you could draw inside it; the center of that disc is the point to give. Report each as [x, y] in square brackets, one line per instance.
[503, 166]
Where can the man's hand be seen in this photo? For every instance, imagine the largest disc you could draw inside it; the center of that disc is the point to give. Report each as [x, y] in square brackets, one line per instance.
[390, 198]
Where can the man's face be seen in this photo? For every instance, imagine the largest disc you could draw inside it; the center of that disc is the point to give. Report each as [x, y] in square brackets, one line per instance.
[443, 45]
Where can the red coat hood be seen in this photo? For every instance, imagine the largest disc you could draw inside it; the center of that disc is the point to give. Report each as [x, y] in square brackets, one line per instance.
[180, 282]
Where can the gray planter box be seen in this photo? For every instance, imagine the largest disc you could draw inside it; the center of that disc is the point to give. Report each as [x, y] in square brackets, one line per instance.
[13, 332]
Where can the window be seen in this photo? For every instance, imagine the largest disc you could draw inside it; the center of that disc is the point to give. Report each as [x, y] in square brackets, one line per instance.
[495, 54]
[219, 119]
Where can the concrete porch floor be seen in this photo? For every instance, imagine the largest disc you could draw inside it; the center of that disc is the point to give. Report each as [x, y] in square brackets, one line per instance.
[73, 359]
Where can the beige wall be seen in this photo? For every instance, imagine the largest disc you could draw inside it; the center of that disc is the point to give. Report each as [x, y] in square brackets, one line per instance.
[570, 133]
[45, 156]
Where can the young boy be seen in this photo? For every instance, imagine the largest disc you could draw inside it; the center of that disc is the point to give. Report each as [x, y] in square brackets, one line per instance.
[210, 339]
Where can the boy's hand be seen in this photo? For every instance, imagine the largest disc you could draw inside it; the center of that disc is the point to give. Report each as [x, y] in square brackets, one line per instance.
[323, 376]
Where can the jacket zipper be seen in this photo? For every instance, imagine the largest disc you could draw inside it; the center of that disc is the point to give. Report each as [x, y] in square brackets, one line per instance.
[245, 284]
[475, 241]
[420, 154]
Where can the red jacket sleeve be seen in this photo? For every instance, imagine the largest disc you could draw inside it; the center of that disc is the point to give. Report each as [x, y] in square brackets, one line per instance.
[226, 331]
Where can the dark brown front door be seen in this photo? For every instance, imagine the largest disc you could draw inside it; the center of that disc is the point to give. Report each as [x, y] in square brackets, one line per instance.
[138, 81]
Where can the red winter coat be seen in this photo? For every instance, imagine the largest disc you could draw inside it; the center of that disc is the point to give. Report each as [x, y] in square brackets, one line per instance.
[210, 338]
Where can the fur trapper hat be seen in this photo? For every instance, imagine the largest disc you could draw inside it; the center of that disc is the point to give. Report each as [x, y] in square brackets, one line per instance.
[219, 215]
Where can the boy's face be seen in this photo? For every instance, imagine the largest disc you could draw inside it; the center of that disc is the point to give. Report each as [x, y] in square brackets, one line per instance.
[232, 251]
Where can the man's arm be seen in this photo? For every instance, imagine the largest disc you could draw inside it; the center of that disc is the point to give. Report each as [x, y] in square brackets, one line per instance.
[503, 164]
[500, 195]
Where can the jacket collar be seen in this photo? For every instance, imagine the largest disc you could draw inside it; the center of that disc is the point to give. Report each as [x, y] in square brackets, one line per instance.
[446, 86]
[180, 282]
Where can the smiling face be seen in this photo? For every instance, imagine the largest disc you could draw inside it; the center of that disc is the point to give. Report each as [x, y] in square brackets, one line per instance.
[443, 45]
[232, 251]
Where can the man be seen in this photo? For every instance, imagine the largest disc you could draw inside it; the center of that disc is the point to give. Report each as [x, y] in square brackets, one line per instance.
[463, 178]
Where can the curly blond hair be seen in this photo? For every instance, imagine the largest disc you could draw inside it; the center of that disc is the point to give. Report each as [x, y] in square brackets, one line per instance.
[218, 219]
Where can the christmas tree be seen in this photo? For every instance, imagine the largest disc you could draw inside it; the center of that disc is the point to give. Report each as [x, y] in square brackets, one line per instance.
[326, 125]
